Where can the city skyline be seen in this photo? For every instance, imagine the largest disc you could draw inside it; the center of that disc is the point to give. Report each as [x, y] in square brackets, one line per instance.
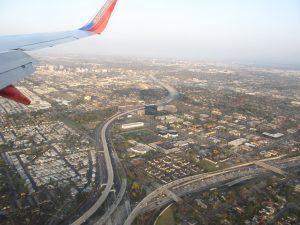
[262, 32]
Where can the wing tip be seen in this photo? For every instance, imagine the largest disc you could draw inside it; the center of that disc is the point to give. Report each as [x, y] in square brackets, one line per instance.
[99, 23]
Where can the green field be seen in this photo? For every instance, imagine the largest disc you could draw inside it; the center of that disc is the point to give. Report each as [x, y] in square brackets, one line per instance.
[167, 218]
[144, 136]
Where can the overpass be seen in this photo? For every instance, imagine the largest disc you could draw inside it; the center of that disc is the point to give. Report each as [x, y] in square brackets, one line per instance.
[269, 167]
[201, 182]
[240, 180]
[114, 206]
[173, 94]
[172, 196]
[83, 218]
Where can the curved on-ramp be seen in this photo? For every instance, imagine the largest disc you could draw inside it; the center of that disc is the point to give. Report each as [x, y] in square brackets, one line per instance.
[173, 94]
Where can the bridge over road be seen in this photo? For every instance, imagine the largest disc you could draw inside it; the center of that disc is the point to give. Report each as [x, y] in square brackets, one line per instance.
[269, 167]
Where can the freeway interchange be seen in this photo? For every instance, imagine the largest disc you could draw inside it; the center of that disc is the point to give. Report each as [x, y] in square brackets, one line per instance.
[115, 177]
[107, 150]
[201, 182]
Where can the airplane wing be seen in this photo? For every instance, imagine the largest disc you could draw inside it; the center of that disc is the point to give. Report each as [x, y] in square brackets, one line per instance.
[15, 64]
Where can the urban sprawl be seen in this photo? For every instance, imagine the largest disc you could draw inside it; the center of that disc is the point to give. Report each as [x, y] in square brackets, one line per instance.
[205, 143]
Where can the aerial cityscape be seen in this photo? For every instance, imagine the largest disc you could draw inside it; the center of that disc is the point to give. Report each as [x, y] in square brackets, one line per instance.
[150, 113]
[124, 140]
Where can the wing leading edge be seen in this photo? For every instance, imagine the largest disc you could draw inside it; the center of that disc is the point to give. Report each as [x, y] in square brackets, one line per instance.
[15, 64]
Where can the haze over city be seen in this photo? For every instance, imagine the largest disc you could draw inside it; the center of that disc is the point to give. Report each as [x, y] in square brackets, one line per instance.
[262, 32]
[179, 113]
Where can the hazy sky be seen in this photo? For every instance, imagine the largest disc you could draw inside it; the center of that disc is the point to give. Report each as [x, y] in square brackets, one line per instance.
[259, 31]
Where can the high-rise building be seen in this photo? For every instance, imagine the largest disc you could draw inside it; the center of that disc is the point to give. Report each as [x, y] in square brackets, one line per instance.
[151, 110]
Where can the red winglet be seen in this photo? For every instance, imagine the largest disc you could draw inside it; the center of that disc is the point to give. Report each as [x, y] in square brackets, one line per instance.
[14, 94]
[100, 26]
[100, 21]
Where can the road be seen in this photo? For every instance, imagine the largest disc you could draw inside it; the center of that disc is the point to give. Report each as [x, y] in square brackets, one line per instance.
[114, 206]
[173, 94]
[196, 183]
[110, 171]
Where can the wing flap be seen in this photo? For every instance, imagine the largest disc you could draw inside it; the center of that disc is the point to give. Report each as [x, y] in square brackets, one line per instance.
[14, 66]
[37, 41]
[46, 44]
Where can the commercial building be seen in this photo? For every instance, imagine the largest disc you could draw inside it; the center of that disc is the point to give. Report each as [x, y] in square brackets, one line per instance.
[132, 125]
[278, 135]
[237, 142]
[170, 108]
[141, 149]
[141, 112]
[168, 134]
[151, 110]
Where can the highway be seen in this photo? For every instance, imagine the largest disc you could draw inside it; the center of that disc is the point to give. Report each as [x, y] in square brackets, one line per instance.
[114, 206]
[196, 183]
[181, 187]
[173, 94]
[110, 172]
[108, 187]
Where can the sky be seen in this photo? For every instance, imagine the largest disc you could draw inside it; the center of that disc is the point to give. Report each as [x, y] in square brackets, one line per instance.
[246, 31]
